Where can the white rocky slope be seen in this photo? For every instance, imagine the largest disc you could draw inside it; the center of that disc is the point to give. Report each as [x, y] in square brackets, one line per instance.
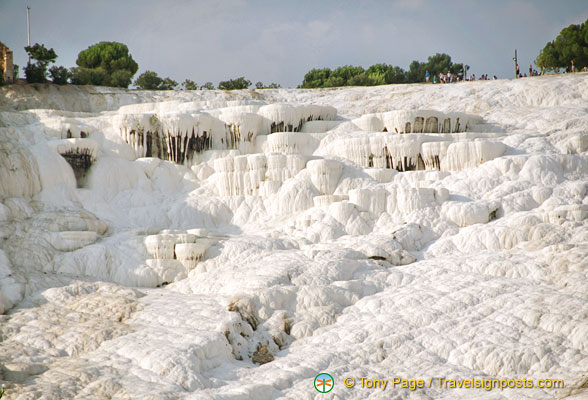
[207, 244]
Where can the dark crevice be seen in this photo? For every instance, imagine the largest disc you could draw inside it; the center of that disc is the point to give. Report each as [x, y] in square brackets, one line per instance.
[80, 160]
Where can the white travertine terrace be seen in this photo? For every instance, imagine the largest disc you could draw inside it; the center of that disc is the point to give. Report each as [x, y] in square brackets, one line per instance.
[182, 136]
[233, 244]
[419, 121]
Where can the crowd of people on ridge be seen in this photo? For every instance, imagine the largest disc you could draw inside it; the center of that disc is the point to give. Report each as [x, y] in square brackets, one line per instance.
[533, 72]
[451, 78]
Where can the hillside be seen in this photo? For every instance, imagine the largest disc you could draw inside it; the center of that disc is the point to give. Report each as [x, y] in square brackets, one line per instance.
[233, 245]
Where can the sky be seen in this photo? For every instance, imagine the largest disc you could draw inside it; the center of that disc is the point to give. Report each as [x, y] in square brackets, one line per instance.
[280, 40]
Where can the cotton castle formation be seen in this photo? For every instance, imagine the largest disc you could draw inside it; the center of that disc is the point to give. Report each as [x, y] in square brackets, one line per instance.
[204, 244]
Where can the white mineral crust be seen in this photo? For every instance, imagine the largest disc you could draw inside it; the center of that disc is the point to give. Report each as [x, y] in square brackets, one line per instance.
[235, 244]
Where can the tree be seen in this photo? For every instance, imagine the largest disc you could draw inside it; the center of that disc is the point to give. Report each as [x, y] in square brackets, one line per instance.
[189, 85]
[345, 74]
[377, 74]
[334, 81]
[208, 86]
[234, 84]
[316, 78]
[59, 75]
[381, 74]
[260, 85]
[397, 75]
[364, 79]
[79, 76]
[440, 63]
[37, 72]
[87, 76]
[416, 71]
[168, 84]
[107, 63]
[376, 78]
[548, 57]
[148, 80]
[121, 78]
[570, 45]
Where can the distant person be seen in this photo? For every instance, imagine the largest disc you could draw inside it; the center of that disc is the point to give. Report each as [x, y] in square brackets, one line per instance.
[495, 77]
[530, 70]
[573, 66]
[434, 79]
[427, 76]
[518, 71]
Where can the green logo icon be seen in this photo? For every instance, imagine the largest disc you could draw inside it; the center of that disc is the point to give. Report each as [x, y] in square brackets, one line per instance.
[324, 383]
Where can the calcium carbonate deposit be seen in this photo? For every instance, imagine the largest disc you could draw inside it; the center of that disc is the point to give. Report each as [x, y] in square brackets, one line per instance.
[233, 245]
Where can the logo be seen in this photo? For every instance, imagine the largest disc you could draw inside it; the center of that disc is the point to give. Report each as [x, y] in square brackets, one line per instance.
[324, 383]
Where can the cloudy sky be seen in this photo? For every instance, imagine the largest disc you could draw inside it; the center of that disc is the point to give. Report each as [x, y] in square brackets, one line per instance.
[280, 40]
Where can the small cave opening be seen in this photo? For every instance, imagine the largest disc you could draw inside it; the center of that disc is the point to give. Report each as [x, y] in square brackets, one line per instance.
[80, 160]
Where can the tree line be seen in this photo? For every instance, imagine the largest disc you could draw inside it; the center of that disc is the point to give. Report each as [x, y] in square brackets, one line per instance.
[149, 80]
[381, 74]
[111, 64]
[569, 47]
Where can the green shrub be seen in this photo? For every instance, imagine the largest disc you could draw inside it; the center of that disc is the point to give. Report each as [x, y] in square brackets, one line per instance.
[189, 85]
[59, 75]
[260, 85]
[234, 84]
[120, 78]
[149, 80]
[316, 78]
[207, 85]
[35, 73]
[168, 84]
[80, 76]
